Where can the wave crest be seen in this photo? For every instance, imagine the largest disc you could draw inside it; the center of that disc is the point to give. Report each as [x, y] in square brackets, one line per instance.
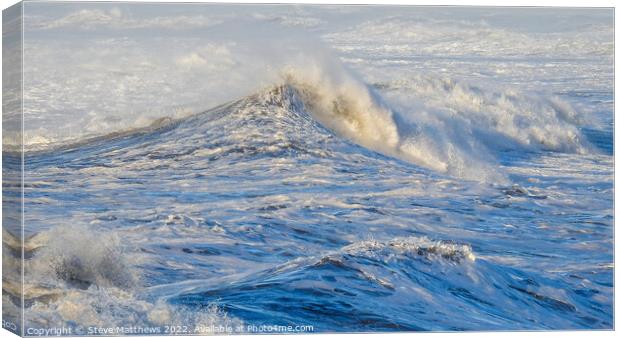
[414, 247]
[440, 124]
[81, 256]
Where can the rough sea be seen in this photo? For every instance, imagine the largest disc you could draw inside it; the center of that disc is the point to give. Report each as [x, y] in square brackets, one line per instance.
[359, 169]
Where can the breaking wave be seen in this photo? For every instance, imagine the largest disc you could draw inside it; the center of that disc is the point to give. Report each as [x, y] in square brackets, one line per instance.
[440, 124]
[78, 276]
[80, 257]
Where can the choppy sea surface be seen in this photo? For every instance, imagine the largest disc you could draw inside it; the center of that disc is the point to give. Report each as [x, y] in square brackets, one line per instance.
[384, 186]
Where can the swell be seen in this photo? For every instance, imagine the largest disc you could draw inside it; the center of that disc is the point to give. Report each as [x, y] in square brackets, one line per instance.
[332, 289]
[157, 126]
[345, 289]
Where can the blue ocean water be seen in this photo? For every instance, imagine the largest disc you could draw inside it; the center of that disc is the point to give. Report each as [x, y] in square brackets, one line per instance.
[254, 213]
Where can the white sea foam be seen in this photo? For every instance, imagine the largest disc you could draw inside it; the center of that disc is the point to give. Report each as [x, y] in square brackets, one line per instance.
[112, 308]
[413, 247]
[83, 256]
[88, 277]
[417, 33]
